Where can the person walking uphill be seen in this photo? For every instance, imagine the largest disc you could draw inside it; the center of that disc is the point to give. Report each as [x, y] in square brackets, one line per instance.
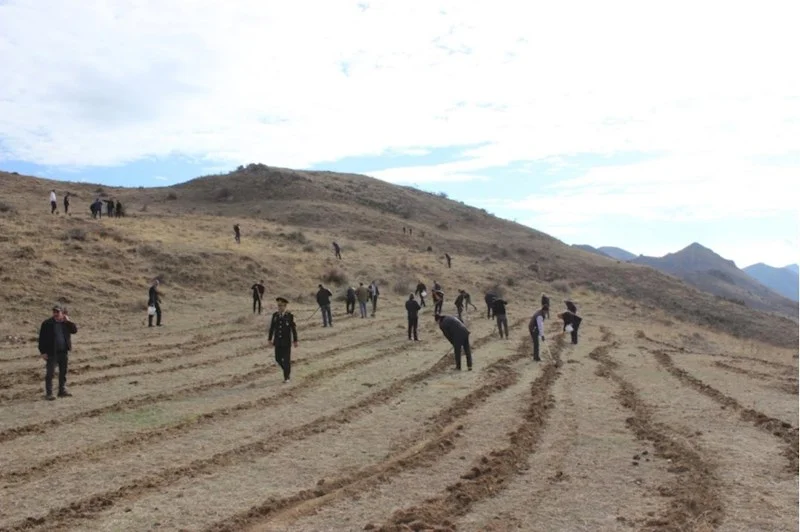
[373, 296]
[499, 311]
[489, 299]
[458, 335]
[536, 328]
[448, 259]
[258, 295]
[53, 202]
[324, 302]
[413, 308]
[66, 203]
[350, 300]
[154, 300]
[421, 291]
[237, 234]
[55, 343]
[362, 294]
[282, 334]
[337, 251]
[438, 301]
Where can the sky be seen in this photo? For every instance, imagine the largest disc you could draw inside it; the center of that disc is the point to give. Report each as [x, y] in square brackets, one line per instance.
[642, 125]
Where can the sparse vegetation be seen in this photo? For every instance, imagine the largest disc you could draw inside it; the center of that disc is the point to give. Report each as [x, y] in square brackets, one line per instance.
[6, 207]
[309, 248]
[443, 225]
[335, 276]
[76, 233]
[172, 196]
[561, 286]
[296, 236]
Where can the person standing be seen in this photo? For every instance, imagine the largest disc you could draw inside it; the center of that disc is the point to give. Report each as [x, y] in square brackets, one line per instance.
[282, 334]
[258, 295]
[362, 294]
[118, 210]
[237, 235]
[337, 251]
[66, 203]
[154, 300]
[55, 343]
[324, 302]
[110, 208]
[53, 202]
[458, 336]
[536, 328]
[499, 311]
[489, 299]
[447, 258]
[546, 303]
[373, 296]
[413, 308]
[350, 298]
[421, 291]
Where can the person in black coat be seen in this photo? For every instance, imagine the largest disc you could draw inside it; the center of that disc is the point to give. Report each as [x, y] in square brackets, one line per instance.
[154, 300]
[413, 308]
[499, 311]
[572, 320]
[55, 343]
[489, 299]
[282, 334]
[458, 336]
[324, 302]
[421, 291]
[258, 295]
[350, 300]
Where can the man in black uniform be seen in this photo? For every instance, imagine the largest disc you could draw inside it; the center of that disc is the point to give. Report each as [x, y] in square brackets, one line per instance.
[324, 302]
[412, 307]
[154, 300]
[421, 291]
[55, 344]
[489, 299]
[282, 334]
[499, 311]
[258, 295]
[458, 335]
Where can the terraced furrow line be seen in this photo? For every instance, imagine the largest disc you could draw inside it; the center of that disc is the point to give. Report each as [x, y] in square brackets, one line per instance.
[780, 429]
[491, 472]
[135, 402]
[429, 445]
[696, 501]
[30, 393]
[86, 509]
[784, 384]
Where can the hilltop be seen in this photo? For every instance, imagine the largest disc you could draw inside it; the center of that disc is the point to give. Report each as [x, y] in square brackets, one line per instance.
[783, 281]
[182, 234]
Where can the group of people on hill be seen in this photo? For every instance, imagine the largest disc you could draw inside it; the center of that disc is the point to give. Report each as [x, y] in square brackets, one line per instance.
[113, 208]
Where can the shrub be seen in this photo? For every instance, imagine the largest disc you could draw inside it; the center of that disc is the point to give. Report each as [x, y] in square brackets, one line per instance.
[403, 287]
[297, 236]
[76, 233]
[443, 225]
[172, 196]
[308, 248]
[224, 193]
[442, 195]
[511, 281]
[5, 207]
[561, 286]
[335, 276]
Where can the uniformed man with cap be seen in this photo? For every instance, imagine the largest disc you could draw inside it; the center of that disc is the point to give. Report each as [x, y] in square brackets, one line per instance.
[282, 334]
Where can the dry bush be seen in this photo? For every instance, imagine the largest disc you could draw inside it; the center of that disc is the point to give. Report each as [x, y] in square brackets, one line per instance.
[224, 194]
[443, 225]
[295, 236]
[334, 276]
[309, 248]
[510, 281]
[76, 233]
[640, 335]
[561, 286]
[5, 207]
[171, 196]
[404, 287]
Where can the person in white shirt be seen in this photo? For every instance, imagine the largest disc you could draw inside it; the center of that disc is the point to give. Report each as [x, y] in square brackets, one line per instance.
[53, 202]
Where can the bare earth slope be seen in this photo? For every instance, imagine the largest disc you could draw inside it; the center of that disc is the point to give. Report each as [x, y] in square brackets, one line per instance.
[649, 423]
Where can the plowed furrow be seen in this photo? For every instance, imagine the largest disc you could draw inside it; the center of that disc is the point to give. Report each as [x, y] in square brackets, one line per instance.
[85, 509]
[779, 429]
[491, 472]
[420, 450]
[696, 502]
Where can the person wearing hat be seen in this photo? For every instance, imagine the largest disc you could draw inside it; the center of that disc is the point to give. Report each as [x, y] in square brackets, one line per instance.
[55, 343]
[154, 300]
[282, 334]
[536, 328]
[458, 335]
[324, 302]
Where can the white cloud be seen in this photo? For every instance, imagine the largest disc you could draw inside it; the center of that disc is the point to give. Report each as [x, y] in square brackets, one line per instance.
[160, 178]
[115, 80]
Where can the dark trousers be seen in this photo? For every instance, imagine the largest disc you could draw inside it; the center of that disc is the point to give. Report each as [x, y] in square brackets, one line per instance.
[488, 312]
[61, 359]
[283, 356]
[362, 307]
[66, 208]
[535, 337]
[327, 317]
[374, 304]
[237, 238]
[351, 306]
[502, 324]
[158, 315]
[460, 310]
[412, 327]
[53, 207]
[256, 304]
[458, 344]
[338, 255]
[421, 301]
[437, 307]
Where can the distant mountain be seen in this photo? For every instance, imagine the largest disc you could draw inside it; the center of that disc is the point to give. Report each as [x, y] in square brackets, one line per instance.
[782, 280]
[701, 267]
[590, 249]
[617, 253]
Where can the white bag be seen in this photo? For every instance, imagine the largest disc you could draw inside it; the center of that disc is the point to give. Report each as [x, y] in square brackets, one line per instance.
[151, 310]
[423, 293]
[568, 328]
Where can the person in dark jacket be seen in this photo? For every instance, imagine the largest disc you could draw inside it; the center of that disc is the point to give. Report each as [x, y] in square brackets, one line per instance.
[413, 308]
[350, 298]
[237, 234]
[118, 210]
[458, 335]
[374, 292]
[337, 251]
[154, 300]
[66, 203]
[546, 303]
[571, 306]
[499, 311]
[489, 299]
[421, 291]
[573, 321]
[258, 295]
[110, 208]
[438, 301]
[55, 343]
[324, 302]
[448, 259]
[536, 328]
[282, 334]
[463, 300]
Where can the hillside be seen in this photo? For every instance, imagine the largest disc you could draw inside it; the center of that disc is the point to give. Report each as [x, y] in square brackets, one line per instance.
[617, 253]
[288, 219]
[783, 281]
[701, 267]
